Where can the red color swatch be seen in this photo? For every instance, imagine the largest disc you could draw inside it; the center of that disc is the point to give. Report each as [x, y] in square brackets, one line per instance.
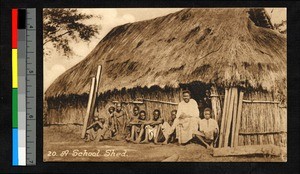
[14, 29]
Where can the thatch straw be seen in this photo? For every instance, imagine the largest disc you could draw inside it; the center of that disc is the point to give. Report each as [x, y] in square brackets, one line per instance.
[223, 46]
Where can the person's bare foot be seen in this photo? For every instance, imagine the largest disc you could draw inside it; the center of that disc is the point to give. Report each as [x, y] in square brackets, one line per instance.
[87, 137]
[144, 142]
[165, 142]
[129, 139]
[138, 140]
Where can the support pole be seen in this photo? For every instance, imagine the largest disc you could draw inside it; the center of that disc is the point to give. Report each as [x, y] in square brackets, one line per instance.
[235, 108]
[223, 118]
[86, 118]
[238, 119]
[230, 114]
[98, 75]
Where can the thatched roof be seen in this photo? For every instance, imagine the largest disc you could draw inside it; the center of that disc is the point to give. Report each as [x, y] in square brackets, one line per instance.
[223, 46]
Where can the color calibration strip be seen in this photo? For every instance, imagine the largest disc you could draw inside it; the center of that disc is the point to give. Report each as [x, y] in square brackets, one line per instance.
[30, 86]
[21, 36]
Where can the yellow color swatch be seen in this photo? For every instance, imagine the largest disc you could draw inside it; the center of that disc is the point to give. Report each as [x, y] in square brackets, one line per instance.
[14, 68]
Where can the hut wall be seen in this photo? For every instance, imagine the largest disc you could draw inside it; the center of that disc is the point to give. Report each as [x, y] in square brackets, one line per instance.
[71, 110]
[168, 95]
[262, 123]
[66, 110]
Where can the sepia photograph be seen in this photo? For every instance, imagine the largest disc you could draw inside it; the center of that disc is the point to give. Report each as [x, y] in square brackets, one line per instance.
[165, 84]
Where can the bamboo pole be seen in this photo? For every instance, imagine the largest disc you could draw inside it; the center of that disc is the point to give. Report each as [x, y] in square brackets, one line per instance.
[98, 75]
[277, 121]
[227, 113]
[215, 102]
[248, 123]
[229, 117]
[260, 123]
[234, 118]
[261, 133]
[86, 118]
[223, 118]
[163, 102]
[238, 119]
[254, 121]
[272, 121]
[257, 101]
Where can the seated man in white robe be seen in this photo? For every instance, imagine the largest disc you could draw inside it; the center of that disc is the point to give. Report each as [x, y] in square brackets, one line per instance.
[186, 122]
[209, 129]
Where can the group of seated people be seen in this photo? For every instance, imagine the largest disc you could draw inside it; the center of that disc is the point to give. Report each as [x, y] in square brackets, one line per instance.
[183, 125]
[158, 130]
[144, 131]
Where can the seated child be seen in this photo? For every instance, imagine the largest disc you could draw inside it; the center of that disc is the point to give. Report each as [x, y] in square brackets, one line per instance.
[132, 124]
[94, 131]
[209, 129]
[166, 127]
[138, 126]
[153, 127]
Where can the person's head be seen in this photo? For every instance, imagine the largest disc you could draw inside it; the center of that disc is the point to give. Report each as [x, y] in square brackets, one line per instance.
[118, 106]
[173, 114]
[102, 120]
[186, 95]
[111, 109]
[142, 115]
[156, 114]
[200, 103]
[136, 110]
[96, 118]
[207, 93]
[207, 113]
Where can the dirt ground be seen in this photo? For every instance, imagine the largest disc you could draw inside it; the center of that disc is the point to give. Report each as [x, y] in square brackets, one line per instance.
[63, 143]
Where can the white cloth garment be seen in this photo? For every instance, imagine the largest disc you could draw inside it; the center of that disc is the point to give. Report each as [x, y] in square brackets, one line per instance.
[186, 127]
[208, 126]
[190, 108]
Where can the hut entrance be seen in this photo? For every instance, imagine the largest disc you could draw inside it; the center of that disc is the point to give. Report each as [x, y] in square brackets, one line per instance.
[197, 90]
[206, 96]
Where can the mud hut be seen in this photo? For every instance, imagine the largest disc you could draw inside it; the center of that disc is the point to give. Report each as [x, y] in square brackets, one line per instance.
[231, 51]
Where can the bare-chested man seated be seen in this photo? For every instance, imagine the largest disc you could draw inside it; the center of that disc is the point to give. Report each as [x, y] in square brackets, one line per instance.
[138, 126]
[153, 127]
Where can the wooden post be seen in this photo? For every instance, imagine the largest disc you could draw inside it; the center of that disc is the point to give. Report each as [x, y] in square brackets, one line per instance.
[98, 75]
[235, 106]
[223, 118]
[87, 115]
[215, 102]
[230, 114]
[238, 120]
[180, 95]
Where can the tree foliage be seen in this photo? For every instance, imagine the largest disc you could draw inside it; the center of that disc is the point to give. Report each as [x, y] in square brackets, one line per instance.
[61, 25]
[281, 27]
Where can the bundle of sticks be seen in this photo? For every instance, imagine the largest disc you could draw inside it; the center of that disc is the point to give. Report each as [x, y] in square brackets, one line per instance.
[231, 118]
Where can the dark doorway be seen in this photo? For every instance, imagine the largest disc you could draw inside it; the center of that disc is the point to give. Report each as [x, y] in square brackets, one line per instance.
[197, 90]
